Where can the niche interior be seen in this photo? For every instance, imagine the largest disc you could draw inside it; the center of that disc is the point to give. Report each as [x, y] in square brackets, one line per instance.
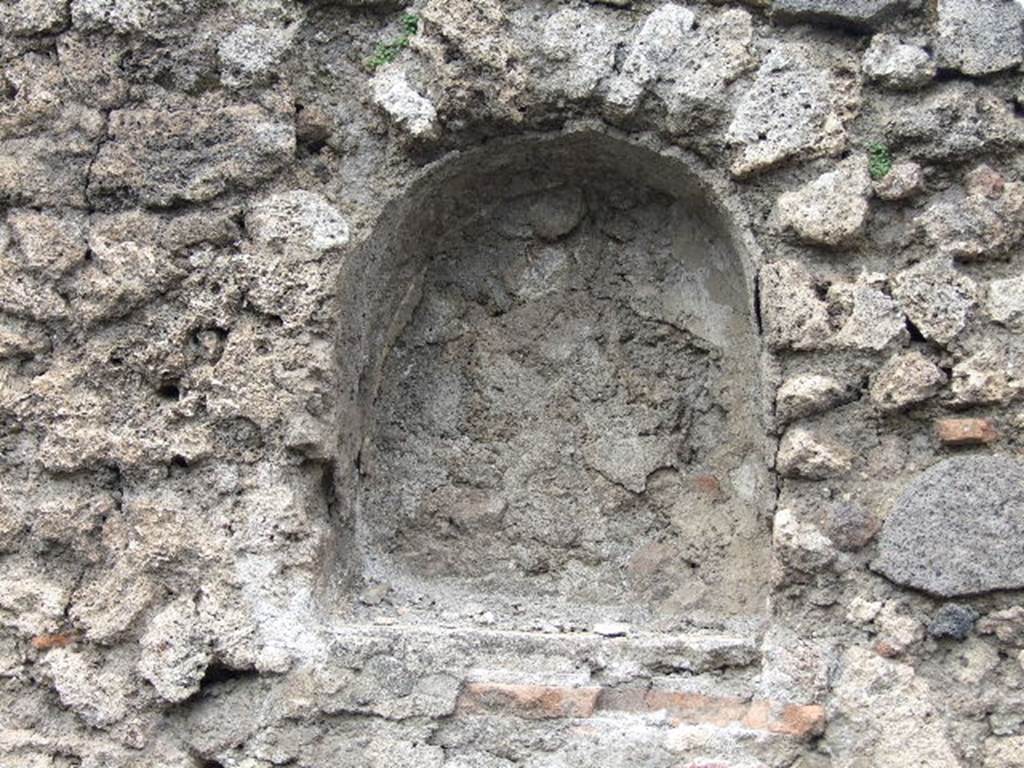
[551, 398]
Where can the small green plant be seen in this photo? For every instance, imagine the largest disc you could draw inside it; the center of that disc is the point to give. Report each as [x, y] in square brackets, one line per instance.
[385, 53]
[879, 160]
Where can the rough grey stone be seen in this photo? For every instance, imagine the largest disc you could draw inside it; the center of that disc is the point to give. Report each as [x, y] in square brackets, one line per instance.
[297, 220]
[34, 17]
[685, 65]
[936, 297]
[904, 180]
[794, 316]
[873, 321]
[987, 376]
[1007, 625]
[957, 529]
[952, 621]
[160, 157]
[979, 37]
[252, 54]
[954, 121]
[175, 654]
[805, 454]
[906, 379]
[807, 394]
[49, 244]
[152, 17]
[831, 210]
[988, 222]
[582, 49]
[412, 112]
[855, 13]
[851, 526]
[1005, 303]
[885, 699]
[794, 108]
[799, 545]
[897, 65]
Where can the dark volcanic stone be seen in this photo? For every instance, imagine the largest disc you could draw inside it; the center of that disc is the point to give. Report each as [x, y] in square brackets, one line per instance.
[853, 13]
[953, 621]
[850, 526]
[958, 529]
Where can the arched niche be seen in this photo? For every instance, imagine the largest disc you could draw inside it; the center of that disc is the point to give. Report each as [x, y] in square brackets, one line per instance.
[551, 396]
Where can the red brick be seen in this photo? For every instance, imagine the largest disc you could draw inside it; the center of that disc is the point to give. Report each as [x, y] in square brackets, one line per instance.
[46, 642]
[708, 485]
[533, 701]
[958, 432]
[544, 701]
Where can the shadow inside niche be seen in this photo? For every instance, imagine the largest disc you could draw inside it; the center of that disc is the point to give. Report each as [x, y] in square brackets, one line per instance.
[551, 399]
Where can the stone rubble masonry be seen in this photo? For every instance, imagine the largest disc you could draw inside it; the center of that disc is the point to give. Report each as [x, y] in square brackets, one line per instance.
[550, 701]
[229, 229]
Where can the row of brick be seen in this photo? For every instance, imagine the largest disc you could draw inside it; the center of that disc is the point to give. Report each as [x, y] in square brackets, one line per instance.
[551, 701]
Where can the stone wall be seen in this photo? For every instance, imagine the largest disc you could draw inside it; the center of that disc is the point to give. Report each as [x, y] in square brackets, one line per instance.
[483, 384]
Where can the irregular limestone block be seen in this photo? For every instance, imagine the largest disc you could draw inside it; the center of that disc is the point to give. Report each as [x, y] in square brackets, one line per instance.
[794, 108]
[987, 223]
[687, 63]
[150, 17]
[96, 693]
[1005, 303]
[251, 54]
[903, 181]
[664, 32]
[807, 394]
[1007, 625]
[800, 546]
[804, 454]
[875, 321]
[853, 13]
[174, 653]
[957, 529]
[986, 377]
[979, 37]
[410, 111]
[832, 209]
[51, 245]
[1005, 752]
[297, 219]
[127, 269]
[954, 120]
[897, 65]
[582, 49]
[794, 316]
[906, 379]
[851, 526]
[936, 297]
[34, 17]
[159, 157]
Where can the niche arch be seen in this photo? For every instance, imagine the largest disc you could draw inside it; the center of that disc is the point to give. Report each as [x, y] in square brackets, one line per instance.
[551, 410]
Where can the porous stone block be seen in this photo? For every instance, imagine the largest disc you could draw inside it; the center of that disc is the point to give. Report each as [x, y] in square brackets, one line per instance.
[979, 37]
[830, 210]
[957, 529]
[906, 379]
[854, 13]
[897, 65]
